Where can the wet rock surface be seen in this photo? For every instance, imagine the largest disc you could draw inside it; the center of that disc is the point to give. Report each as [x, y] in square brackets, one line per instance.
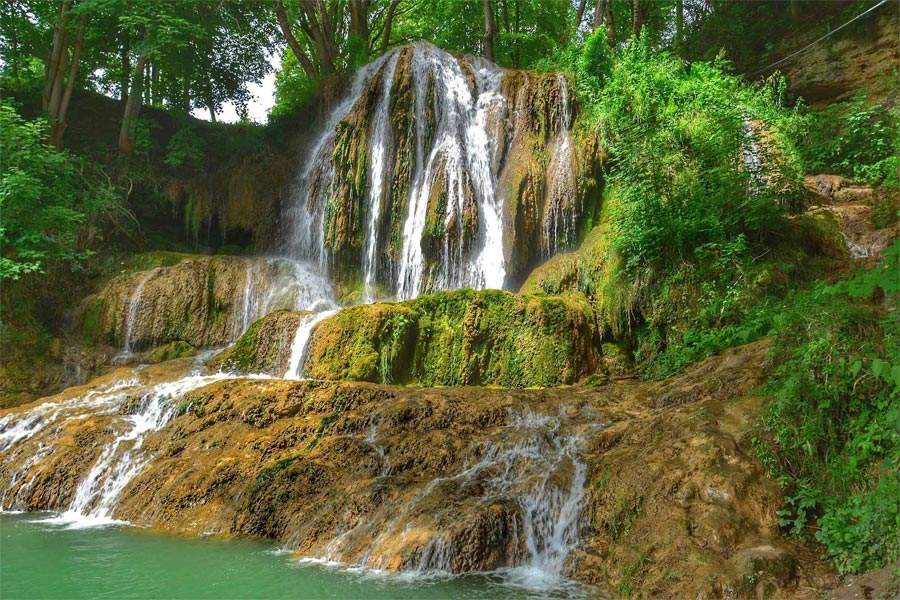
[625, 486]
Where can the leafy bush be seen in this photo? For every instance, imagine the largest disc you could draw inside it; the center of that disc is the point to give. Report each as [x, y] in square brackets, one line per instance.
[186, 149]
[676, 135]
[831, 432]
[856, 138]
[45, 199]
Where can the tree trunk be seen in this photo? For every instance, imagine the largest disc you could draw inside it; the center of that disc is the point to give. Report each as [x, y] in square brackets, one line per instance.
[610, 25]
[389, 24]
[599, 9]
[637, 18]
[679, 26]
[212, 112]
[285, 26]
[132, 105]
[59, 120]
[57, 55]
[579, 15]
[59, 77]
[359, 19]
[489, 30]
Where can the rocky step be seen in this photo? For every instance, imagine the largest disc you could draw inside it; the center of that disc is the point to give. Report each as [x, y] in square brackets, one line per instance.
[463, 337]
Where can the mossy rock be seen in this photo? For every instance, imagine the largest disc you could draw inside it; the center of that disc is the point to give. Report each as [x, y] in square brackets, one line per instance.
[170, 351]
[464, 337]
[265, 346]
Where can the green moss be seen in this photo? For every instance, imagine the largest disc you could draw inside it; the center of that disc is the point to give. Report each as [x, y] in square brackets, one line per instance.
[243, 355]
[459, 338]
[92, 322]
[150, 260]
[170, 351]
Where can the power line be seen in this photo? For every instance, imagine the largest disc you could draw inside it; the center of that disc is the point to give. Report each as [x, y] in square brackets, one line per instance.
[829, 34]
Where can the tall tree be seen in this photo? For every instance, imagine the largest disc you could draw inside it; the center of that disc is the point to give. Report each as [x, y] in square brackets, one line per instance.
[489, 29]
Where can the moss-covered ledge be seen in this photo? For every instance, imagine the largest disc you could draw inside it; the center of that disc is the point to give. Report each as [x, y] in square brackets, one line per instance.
[463, 337]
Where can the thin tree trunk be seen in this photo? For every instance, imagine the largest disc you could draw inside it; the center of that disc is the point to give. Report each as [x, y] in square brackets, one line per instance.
[57, 52]
[59, 123]
[610, 24]
[59, 76]
[132, 105]
[291, 40]
[599, 9]
[389, 24]
[155, 100]
[679, 25]
[579, 15]
[637, 18]
[489, 30]
[212, 112]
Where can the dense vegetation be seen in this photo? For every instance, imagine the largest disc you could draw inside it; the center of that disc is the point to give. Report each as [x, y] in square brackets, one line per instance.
[694, 247]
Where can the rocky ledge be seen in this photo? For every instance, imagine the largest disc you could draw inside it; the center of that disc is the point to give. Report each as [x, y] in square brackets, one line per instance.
[625, 486]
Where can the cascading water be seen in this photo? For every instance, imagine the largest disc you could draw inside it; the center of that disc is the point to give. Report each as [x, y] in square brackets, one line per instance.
[378, 174]
[135, 410]
[532, 464]
[304, 238]
[751, 157]
[307, 324]
[133, 305]
[559, 223]
[423, 204]
[460, 158]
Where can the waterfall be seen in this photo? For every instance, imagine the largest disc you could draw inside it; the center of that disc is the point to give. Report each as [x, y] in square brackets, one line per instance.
[304, 237]
[460, 158]
[559, 223]
[136, 410]
[751, 158]
[427, 134]
[531, 463]
[378, 166]
[133, 305]
[305, 329]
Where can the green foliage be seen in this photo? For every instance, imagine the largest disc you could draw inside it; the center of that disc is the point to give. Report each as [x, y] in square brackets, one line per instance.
[676, 136]
[294, 89]
[856, 138]
[186, 150]
[46, 198]
[594, 64]
[831, 431]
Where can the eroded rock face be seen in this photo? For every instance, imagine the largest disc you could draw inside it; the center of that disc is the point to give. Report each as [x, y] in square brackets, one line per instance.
[863, 58]
[204, 301]
[449, 338]
[650, 487]
[865, 215]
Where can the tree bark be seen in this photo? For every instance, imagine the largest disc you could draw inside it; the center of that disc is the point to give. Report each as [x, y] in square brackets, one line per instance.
[57, 53]
[637, 18]
[389, 24]
[126, 69]
[285, 26]
[489, 30]
[599, 10]
[59, 119]
[132, 105]
[610, 24]
[359, 19]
